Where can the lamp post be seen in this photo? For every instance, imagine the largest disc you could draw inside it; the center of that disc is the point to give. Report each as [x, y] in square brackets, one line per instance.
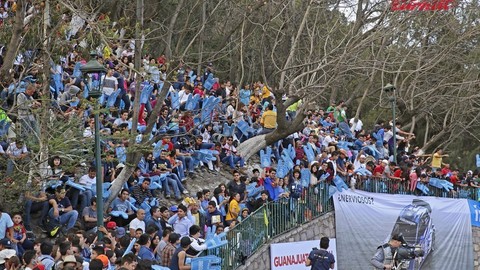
[390, 90]
[94, 73]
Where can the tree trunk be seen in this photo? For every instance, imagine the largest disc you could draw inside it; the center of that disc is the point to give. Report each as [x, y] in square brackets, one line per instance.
[284, 128]
[117, 184]
[201, 38]
[171, 26]
[14, 43]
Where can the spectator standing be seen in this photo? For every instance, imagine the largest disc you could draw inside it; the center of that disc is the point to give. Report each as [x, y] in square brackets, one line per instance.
[26, 104]
[169, 250]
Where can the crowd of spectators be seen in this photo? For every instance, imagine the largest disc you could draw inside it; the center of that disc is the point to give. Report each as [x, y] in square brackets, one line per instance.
[63, 202]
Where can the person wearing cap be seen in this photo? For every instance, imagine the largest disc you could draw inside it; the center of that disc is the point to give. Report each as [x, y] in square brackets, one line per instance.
[321, 259]
[384, 256]
[69, 260]
[360, 160]
[469, 179]
[178, 261]
[6, 251]
[380, 168]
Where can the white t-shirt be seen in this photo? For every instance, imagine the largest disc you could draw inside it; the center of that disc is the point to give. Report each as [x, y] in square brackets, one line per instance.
[110, 83]
[87, 181]
[356, 127]
[137, 224]
[327, 140]
[183, 96]
[357, 165]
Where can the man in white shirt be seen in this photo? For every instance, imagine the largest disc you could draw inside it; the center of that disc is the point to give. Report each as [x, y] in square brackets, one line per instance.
[183, 96]
[137, 223]
[88, 180]
[16, 151]
[359, 162]
[110, 84]
[356, 126]
[122, 120]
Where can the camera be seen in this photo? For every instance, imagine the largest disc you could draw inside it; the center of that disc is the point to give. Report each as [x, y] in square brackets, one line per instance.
[406, 252]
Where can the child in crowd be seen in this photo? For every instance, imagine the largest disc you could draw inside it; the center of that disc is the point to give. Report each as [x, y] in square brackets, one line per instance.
[20, 235]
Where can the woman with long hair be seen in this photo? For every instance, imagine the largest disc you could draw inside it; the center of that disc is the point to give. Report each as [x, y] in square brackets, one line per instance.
[233, 209]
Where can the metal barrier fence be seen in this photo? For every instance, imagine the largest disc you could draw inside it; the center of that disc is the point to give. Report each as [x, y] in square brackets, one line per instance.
[278, 217]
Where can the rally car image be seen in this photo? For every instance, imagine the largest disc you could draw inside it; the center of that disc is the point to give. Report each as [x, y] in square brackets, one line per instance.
[415, 225]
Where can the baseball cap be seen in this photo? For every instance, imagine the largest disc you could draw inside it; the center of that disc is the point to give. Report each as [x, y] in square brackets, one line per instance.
[362, 156]
[111, 225]
[104, 260]
[397, 237]
[469, 172]
[120, 232]
[174, 208]
[385, 161]
[8, 253]
[6, 243]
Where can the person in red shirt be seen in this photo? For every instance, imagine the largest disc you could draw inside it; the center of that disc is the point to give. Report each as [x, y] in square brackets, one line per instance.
[380, 168]
[186, 121]
[199, 90]
[446, 170]
[167, 140]
[454, 179]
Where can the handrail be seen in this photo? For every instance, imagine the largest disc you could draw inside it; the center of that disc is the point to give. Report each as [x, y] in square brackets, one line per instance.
[278, 217]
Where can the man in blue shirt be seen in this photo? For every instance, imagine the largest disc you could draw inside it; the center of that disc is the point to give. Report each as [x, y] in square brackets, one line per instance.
[145, 253]
[321, 259]
[5, 223]
[270, 183]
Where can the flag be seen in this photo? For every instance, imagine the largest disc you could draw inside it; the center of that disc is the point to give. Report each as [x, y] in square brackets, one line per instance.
[265, 218]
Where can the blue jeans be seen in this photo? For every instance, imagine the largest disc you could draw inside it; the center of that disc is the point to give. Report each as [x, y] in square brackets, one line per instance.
[233, 160]
[345, 130]
[180, 171]
[187, 162]
[85, 200]
[67, 219]
[170, 181]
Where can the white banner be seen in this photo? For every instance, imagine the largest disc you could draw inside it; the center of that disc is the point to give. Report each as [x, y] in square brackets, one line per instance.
[292, 256]
[441, 227]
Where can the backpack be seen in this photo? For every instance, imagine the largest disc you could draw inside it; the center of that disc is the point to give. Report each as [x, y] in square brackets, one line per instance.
[53, 228]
